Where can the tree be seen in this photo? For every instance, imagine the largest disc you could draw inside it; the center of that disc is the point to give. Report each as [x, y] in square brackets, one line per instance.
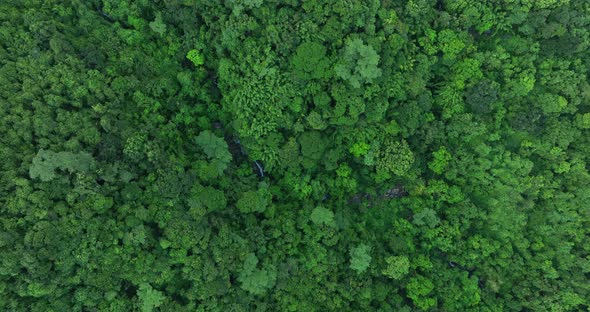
[158, 25]
[395, 157]
[322, 216]
[310, 62]
[196, 57]
[583, 121]
[440, 161]
[551, 103]
[482, 97]
[360, 258]
[319, 155]
[397, 267]
[216, 150]
[46, 162]
[205, 199]
[149, 297]
[450, 43]
[358, 64]
[426, 217]
[313, 146]
[259, 98]
[418, 289]
[256, 281]
[253, 201]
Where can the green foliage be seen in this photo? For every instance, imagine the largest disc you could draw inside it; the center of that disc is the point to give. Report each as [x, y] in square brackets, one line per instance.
[395, 157]
[196, 57]
[359, 64]
[259, 102]
[397, 267]
[45, 163]
[216, 150]
[242, 155]
[440, 161]
[213, 146]
[359, 149]
[205, 199]
[552, 103]
[253, 201]
[360, 259]
[310, 62]
[158, 25]
[418, 289]
[315, 121]
[426, 217]
[313, 146]
[256, 281]
[322, 216]
[584, 121]
[450, 43]
[482, 97]
[149, 297]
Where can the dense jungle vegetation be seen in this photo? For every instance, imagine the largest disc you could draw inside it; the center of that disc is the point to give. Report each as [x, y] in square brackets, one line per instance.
[294, 155]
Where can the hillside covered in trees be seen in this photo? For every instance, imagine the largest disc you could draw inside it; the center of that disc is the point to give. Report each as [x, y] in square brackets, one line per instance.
[294, 155]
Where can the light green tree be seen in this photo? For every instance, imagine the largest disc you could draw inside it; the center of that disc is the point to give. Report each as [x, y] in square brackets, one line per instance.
[395, 157]
[45, 163]
[254, 280]
[418, 289]
[360, 258]
[149, 297]
[450, 43]
[358, 64]
[397, 267]
[440, 161]
[216, 150]
[321, 215]
[196, 57]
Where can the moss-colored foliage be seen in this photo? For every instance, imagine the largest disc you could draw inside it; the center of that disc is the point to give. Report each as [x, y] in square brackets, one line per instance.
[213, 146]
[322, 216]
[584, 121]
[313, 146]
[45, 164]
[450, 43]
[205, 199]
[310, 61]
[216, 150]
[259, 103]
[426, 217]
[158, 25]
[254, 280]
[360, 258]
[253, 201]
[149, 297]
[397, 267]
[359, 63]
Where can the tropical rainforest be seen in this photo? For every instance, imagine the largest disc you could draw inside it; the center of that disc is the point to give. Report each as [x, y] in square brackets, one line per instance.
[294, 155]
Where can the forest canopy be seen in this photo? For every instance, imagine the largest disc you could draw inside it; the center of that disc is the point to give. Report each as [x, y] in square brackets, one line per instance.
[290, 155]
